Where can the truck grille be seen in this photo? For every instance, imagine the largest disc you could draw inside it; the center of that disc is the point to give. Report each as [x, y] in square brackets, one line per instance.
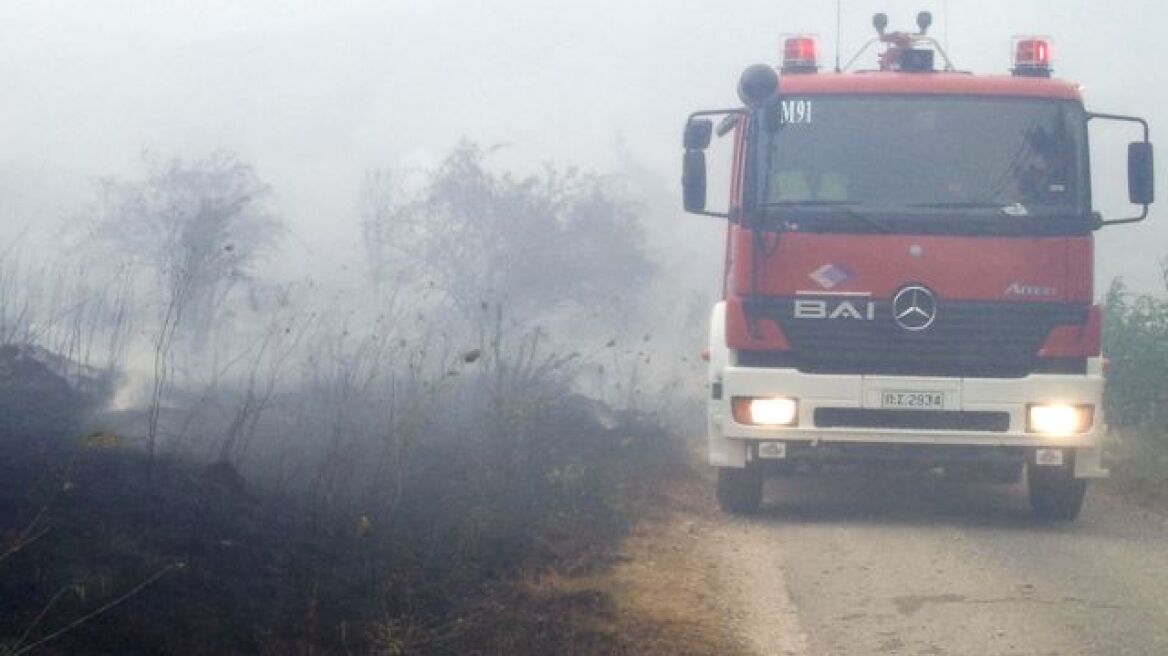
[969, 339]
[994, 422]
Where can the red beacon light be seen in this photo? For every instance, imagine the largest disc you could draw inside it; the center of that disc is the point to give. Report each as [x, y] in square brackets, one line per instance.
[799, 55]
[1031, 56]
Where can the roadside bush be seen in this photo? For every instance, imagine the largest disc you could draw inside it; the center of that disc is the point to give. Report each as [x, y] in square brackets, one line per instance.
[1135, 340]
[562, 244]
[1136, 343]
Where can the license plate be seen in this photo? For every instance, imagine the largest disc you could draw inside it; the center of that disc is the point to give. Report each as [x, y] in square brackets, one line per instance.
[913, 400]
[772, 450]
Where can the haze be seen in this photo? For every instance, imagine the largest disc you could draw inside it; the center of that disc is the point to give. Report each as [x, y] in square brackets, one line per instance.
[305, 348]
[315, 94]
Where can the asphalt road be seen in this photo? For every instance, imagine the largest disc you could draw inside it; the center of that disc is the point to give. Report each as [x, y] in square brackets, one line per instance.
[851, 564]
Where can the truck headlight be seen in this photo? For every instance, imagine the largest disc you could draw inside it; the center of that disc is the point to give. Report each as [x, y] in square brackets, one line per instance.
[776, 411]
[1059, 418]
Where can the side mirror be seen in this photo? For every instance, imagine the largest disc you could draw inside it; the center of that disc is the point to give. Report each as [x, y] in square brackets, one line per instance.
[693, 178]
[1141, 186]
[697, 134]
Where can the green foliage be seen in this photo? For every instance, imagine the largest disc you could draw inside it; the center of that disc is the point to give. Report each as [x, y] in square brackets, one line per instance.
[1135, 335]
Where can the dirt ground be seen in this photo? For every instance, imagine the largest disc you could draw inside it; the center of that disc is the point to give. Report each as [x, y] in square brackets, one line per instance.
[868, 565]
[697, 568]
[691, 580]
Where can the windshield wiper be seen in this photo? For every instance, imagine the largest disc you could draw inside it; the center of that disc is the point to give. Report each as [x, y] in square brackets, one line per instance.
[842, 208]
[810, 203]
[1012, 209]
[975, 204]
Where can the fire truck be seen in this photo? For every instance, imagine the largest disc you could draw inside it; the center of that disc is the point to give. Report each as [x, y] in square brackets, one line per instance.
[908, 270]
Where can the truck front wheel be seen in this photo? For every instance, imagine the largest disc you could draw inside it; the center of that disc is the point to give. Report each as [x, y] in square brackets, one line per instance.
[1055, 493]
[740, 490]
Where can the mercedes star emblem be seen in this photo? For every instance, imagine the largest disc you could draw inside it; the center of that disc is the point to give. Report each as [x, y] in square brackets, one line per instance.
[914, 308]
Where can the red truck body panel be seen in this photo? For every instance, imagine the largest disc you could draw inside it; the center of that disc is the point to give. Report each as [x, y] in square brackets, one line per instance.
[1056, 269]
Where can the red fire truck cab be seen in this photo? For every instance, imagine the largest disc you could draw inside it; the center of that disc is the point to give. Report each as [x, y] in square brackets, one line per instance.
[908, 271]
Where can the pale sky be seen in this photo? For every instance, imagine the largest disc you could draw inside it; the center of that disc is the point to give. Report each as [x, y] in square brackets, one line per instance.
[316, 93]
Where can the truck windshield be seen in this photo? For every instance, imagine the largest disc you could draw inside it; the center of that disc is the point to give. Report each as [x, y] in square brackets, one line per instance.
[1014, 157]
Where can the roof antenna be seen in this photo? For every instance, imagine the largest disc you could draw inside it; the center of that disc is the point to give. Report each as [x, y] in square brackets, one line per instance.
[837, 35]
[946, 8]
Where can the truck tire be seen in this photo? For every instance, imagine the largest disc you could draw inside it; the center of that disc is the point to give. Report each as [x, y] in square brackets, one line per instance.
[740, 490]
[1055, 493]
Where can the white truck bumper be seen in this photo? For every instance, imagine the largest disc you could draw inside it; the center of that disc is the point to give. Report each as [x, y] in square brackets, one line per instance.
[732, 444]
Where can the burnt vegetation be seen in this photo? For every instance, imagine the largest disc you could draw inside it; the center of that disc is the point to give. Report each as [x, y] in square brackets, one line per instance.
[198, 457]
